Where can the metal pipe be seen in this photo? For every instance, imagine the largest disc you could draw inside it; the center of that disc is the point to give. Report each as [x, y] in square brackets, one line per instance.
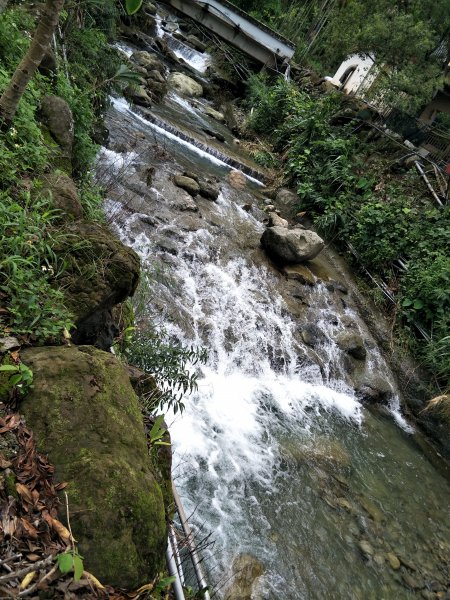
[173, 572]
[192, 548]
[427, 181]
[177, 556]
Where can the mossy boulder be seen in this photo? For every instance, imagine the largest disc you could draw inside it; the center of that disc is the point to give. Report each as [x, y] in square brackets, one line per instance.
[86, 417]
[101, 273]
[64, 194]
[57, 117]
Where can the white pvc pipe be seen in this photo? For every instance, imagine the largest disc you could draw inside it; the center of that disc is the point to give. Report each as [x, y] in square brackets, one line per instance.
[173, 572]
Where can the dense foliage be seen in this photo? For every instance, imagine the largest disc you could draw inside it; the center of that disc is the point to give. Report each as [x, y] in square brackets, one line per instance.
[410, 40]
[357, 194]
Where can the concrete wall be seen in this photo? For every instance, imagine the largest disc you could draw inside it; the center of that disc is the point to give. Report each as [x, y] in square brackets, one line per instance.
[238, 29]
[361, 74]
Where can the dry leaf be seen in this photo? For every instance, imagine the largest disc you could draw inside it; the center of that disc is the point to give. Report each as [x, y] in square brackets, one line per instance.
[30, 529]
[27, 580]
[60, 529]
[4, 464]
[23, 491]
[93, 580]
[33, 557]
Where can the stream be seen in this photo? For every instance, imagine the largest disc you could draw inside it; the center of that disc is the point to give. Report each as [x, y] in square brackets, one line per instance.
[274, 455]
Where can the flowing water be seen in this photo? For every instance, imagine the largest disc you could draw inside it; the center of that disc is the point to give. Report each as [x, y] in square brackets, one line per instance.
[274, 454]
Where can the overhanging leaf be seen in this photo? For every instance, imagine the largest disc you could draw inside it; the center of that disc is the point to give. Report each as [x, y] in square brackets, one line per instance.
[132, 6]
[78, 567]
[65, 562]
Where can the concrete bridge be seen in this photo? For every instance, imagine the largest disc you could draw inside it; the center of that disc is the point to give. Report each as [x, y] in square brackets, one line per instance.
[239, 29]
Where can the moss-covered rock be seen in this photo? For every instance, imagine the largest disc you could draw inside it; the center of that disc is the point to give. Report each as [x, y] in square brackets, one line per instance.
[86, 417]
[64, 195]
[57, 117]
[101, 273]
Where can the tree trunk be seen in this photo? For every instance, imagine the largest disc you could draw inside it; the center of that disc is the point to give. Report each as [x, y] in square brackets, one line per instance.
[30, 62]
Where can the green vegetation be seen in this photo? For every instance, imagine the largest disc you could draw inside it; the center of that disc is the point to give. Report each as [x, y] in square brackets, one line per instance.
[356, 194]
[407, 38]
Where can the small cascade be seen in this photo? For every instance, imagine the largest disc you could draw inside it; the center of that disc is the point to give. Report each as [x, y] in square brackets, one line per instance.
[275, 455]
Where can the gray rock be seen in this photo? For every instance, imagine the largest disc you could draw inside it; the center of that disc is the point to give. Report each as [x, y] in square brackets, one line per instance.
[138, 95]
[365, 548]
[185, 85]
[393, 561]
[150, 62]
[291, 246]
[209, 191]
[8, 343]
[286, 200]
[215, 114]
[353, 344]
[57, 116]
[277, 221]
[64, 194]
[246, 571]
[374, 389]
[188, 184]
[196, 43]
[156, 76]
[150, 8]
[313, 335]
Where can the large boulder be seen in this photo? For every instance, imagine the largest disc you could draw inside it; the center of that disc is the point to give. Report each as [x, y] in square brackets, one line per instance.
[101, 272]
[86, 418]
[64, 195]
[138, 95]
[374, 389]
[185, 85]
[290, 246]
[186, 183]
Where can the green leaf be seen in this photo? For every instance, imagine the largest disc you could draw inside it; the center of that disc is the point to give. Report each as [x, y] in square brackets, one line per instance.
[65, 562]
[418, 304]
[407, 302]
[78, 567]
[9, 368]
[133, 6]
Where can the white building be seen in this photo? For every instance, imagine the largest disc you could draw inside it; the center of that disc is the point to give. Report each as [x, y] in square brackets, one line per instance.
[355, 75]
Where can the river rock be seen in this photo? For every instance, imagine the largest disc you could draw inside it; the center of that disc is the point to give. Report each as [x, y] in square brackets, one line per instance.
[237, 179]
[287, 201]
[299, 273]
[374, 389]
[150, 8]
[215, 114]
[291, 246]
[365, 548]
[8, 343]
[186, 183]
[209, 191]
[277, 221]
[246, 571]
[353, 344]
[150, 62]
[185, 85]
[312, 335]
[86, 418]
[393, 561]
[155, 75]
[64, 195]
[196, 43]
[138, 94]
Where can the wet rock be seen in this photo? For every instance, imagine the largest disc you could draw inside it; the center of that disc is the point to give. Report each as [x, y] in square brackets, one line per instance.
[237, 179]
[353, 344]
[156, 89]
[277, 221]
[312, 335]
[150, 8]
[185, 203]
[209, 191]
[185, 85]
[365, 548]
[186, 183]
[344, 503]
[64, 195]
[246, 571]
[291, 246]
[372, 510]
[155, 75]
[324, 452]
[299, 273]
[378, 559]
[86, 418]
[150, 62]
[192, 175]
[393, 561]
[196, 43]
[411, 581]
[138, 95]
[8, 343]
[215, 114]
[374, 389]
